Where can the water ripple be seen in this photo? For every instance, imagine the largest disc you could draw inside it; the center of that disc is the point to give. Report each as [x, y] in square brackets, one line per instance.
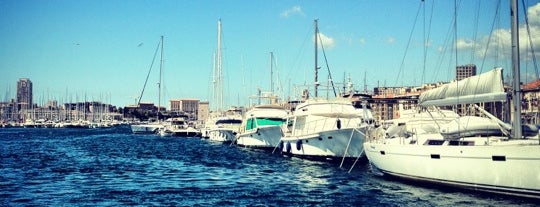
[65, 167]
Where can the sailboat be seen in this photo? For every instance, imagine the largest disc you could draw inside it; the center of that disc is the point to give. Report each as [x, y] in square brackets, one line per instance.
[221, 126]
[322, 128]
[153, 127]
[473, 152]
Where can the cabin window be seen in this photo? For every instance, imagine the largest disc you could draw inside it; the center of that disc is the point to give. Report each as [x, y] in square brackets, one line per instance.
[460, 143]
[435, 156]
[434, 142]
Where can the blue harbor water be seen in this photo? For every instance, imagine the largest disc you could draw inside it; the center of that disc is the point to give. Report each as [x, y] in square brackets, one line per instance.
[103, 167]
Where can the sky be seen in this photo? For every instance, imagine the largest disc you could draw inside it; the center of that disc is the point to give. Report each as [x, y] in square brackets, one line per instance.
[101, 50]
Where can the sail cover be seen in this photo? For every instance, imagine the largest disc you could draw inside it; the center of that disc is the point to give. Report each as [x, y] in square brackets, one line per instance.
[486, 87]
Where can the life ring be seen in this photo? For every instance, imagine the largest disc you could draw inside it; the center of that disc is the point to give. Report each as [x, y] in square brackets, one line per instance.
[299, 145]
[288, 147]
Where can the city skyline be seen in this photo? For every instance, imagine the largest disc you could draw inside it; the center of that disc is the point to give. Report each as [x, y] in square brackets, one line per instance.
[100, 50]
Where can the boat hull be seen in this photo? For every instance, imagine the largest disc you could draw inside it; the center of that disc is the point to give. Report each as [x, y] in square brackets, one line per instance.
[221, 135]
[262, 137]
[145, 129]
[330, 145]
[511, 170]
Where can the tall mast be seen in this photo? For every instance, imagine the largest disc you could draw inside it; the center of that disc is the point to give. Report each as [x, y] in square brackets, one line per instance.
[516, 132]
[160, 74]
[271, 74]
[316, 65]
[219, 70]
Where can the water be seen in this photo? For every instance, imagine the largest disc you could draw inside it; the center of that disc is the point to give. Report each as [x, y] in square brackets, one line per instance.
[89, 167]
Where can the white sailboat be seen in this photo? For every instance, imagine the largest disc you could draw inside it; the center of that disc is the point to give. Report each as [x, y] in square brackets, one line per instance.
[476, 153]
[221, 126]
[155, 126]
[324, 129]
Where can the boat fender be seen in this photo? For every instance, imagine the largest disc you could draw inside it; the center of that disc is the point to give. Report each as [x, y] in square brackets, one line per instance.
[299, 145]
[280, 145]
[338, 123]
[288, 147]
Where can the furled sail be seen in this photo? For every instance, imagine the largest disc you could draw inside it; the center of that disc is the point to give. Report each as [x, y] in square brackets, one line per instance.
[486, 87]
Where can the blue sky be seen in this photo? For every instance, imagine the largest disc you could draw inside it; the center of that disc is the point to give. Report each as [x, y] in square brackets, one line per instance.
[103, 49]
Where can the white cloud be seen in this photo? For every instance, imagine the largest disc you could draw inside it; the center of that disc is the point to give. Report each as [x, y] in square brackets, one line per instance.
[499, 46]
[327, 42]
[533, 14]
[295, 10]
[465, 44]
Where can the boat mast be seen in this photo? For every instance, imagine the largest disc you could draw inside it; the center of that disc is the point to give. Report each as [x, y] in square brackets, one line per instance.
[219, 70]
[271, 74]
[316, 65]
[517, 131]
[160, 74]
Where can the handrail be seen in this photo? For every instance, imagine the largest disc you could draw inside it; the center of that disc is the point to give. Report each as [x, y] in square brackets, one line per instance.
[326, 123]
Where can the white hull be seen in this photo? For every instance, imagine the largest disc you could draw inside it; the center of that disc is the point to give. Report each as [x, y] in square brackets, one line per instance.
[221, 135]
[263, 137]
[146, 128]
[332, 144]
[500, 168]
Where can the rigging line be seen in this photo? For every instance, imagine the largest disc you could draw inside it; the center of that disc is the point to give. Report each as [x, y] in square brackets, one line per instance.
[535, 65]
[327, 67]
[429, 32]
[475, 32]
[408, 44]
[495, 18]
[148, 75]
[424, 45]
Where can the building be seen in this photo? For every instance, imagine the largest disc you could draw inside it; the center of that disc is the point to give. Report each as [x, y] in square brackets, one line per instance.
[24, 94]
[465, 71]
[530, 107]
[188, 106]
[204, 110]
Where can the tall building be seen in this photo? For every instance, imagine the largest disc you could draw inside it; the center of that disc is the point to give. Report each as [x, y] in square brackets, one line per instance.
[24, 94]
[465, 71]
[189, 106]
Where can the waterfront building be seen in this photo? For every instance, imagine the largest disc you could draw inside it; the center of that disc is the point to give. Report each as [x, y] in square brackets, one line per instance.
[204, 110]
[465, 71]
[530, 108]
[188, 106]
[24, 94]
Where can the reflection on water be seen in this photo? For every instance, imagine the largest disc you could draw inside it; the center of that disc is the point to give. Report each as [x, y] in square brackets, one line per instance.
[59, 167]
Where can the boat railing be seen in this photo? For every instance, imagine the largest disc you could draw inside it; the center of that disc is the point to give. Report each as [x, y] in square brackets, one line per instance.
[325, 124]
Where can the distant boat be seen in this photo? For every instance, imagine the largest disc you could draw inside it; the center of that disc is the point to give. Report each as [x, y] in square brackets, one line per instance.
[329, 129]
[261, 126]
[178, 127]
[223, 127]
[153, 127]
[477, 153]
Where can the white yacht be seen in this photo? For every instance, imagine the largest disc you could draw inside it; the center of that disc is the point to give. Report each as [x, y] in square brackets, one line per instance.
[178, 127]
[324, 129]
[261, 126]
[146, 128]
[222, 128]
[473, 152]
